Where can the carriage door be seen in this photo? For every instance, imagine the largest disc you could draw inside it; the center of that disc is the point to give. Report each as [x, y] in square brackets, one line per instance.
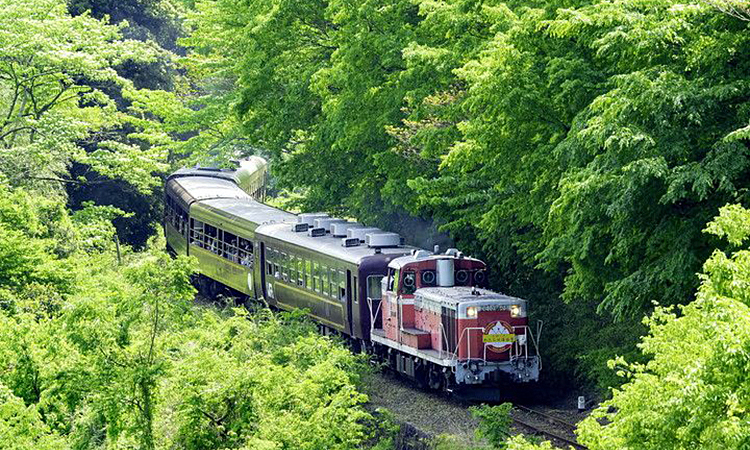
[349, 304]
[262, 266]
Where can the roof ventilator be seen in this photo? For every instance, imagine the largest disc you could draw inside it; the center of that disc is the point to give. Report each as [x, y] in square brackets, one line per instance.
[316, 232]
[452, 252]
[350, 242]
[420, 254]
[300, 227]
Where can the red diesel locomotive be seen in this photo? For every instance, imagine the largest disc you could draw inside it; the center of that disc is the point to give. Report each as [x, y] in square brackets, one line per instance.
[427, 314]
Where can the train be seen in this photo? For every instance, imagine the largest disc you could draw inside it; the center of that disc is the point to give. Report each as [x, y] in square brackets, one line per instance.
[427, 314]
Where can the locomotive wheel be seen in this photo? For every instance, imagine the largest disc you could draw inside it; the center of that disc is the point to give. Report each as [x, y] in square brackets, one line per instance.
[435, 379]
[422, 377]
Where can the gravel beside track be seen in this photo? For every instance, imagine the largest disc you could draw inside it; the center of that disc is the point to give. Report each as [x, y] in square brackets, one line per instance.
[430, 413]
[434, 414]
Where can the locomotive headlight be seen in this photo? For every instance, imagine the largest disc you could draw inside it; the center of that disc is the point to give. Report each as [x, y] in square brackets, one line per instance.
[471, 312]
[516, 310]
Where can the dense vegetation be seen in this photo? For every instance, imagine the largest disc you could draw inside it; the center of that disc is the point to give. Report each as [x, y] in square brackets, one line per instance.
[580, 148]
[595, 153]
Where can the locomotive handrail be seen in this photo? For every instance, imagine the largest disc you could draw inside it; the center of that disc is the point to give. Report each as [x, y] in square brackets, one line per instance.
[373, 317]
[514, 351]
[445, 337]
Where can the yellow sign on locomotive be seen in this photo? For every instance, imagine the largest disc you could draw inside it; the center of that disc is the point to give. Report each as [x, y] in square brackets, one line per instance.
[499, 338]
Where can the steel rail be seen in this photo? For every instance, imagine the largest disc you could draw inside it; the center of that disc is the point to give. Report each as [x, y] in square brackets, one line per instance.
[550, 434]
[547, 416]
[546, 433]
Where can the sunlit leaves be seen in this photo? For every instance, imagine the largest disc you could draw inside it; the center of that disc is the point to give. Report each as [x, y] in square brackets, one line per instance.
[52, 66]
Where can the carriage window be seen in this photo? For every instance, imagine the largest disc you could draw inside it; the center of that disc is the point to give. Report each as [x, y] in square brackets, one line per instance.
[284, 263]
[373, 287]
[176, 216]
[301, 272]
[244, 251]
[316, 277]
[409, 283]
[231, 249]
[355, 289]
[308, 274]
[326, 289]
[292, 269]
[211, 236]
[179, 218]
[342, 285]
[196, 234]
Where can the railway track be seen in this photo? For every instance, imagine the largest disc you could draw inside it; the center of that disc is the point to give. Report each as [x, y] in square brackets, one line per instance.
[559, 431]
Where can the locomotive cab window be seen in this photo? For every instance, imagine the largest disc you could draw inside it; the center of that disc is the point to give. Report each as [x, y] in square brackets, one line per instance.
[480, 278]
[409, 283]
[462, 277]
[427, 278]
[392, 276]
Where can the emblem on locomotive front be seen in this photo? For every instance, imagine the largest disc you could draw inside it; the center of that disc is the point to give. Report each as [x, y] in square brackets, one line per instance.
[498, 336]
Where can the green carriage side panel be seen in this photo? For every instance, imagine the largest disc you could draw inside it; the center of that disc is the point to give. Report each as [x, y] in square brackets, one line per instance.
[177, 241]
[224, 271]
[294, 287]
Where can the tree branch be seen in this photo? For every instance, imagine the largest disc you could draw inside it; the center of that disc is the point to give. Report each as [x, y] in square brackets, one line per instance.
[15, 130]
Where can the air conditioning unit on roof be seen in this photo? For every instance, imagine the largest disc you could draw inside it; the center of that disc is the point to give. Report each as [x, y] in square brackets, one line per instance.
[309, 218]
[382, 240]
[340, 229]
[299, 227]
[327, 222]
[360, 233]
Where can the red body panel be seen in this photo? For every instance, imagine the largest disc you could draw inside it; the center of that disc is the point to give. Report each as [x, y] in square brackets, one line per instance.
[430, 321]
[471, 332]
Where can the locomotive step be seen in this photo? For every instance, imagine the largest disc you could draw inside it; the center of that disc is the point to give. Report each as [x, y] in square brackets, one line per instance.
[414, 337]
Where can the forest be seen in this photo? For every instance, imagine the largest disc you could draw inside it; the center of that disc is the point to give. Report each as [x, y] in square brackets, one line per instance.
[595, 153]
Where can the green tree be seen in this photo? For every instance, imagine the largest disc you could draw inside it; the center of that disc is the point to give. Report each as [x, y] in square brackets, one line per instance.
[47, 102]
[693, 392]
[21, 426]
